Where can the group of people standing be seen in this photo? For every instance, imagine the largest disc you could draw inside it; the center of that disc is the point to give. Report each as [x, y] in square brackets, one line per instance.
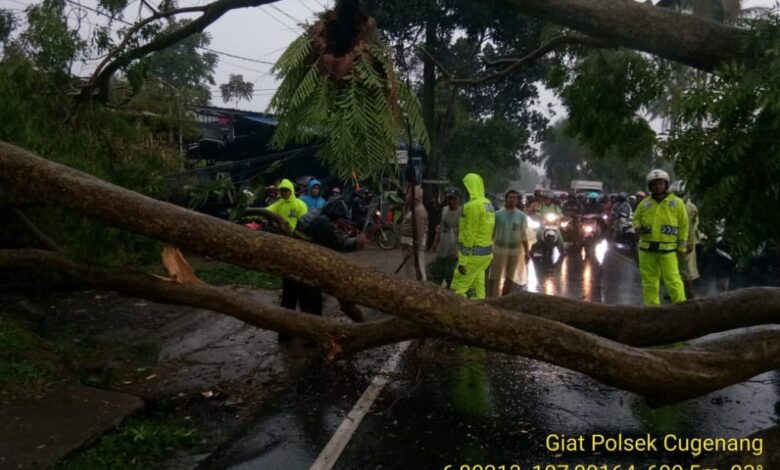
[473, 243]
[477, 246]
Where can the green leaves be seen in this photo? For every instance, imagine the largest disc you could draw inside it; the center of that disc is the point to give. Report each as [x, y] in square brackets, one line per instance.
[606, 97]
[360, 117]
[725, 144]
[294, 57]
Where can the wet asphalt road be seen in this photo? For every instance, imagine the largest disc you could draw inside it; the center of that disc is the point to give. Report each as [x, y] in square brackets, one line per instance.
[450, 404]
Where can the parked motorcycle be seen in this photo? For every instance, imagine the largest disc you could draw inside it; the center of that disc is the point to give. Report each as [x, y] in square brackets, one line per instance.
[383, 234]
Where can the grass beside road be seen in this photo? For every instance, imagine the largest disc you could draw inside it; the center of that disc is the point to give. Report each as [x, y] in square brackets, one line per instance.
[136, 444]
[29, 364]
[220, 274]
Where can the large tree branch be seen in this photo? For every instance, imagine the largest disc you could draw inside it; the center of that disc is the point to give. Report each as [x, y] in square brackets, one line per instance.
[346, 339]
[130, 33]
[211, 13]
[341, 339]
[516, 63]
[658, 374]
[691, 40]
[652, 326]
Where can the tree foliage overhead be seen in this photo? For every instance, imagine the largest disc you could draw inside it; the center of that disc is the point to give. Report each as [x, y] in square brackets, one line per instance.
[721, 126]
[339, 84]
[724, 143]
[489, 147]
[7, 24]
[566, 158]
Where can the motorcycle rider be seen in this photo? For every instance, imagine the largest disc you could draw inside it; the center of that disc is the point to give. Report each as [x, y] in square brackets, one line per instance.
[688, 268]
[548, 206]
[475, 236]
[621, 207]
[572, 206]
[593, 206]
[313, 198]
[360, 206]
[271, 195]
[661, 221]
[533, 206]
[573, 209]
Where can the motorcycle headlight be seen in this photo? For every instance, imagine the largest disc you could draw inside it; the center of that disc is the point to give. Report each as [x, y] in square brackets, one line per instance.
[565, 224]
[533, 223]
[550, 217]
[378, 214]
[588, 228]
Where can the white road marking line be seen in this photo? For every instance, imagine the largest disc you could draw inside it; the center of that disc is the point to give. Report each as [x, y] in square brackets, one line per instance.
[333, 449]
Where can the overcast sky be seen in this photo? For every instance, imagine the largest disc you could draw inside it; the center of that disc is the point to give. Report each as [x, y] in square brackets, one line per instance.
[260, 34]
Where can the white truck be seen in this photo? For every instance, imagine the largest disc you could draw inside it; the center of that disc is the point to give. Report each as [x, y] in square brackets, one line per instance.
[580, 186]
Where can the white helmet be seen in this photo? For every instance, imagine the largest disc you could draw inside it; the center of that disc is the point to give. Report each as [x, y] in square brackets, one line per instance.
[658, 175]
[679, 189]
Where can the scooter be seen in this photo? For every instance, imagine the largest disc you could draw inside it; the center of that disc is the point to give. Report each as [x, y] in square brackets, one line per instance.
[549, 235]
[590, 233]
[624, 234]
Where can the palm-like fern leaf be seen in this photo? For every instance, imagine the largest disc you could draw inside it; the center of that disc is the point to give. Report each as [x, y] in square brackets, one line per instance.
[354, 102]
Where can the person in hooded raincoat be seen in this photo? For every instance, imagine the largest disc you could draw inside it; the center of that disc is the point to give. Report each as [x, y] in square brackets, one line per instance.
[288, 207]
[294, 293]
[313, 198]
[475, 237]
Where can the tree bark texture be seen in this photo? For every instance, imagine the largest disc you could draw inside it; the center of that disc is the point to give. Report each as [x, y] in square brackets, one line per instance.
[691, 40]
[659, 374]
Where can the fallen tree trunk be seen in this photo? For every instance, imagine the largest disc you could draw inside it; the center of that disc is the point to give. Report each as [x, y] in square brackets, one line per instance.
[342, 339]
[642, 326]
[690, 40]
[662, 376]
[652, 326]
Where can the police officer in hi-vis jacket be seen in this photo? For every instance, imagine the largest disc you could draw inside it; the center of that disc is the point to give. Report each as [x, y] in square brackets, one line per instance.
[661, 221]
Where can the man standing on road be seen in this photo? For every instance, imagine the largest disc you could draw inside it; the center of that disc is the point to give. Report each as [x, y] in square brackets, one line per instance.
[414, 228]
[475, 236]
[662, 224]
[510, 245]
[688, 268]
[447, 241]
[291, 209]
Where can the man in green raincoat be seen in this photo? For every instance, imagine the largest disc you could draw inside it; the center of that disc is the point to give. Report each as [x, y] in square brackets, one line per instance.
[475, 237]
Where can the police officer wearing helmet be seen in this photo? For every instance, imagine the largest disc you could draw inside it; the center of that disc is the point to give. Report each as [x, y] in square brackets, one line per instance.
[661, 221]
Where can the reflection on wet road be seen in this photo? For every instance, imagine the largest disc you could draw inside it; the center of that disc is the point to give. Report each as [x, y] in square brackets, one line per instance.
[452, 404]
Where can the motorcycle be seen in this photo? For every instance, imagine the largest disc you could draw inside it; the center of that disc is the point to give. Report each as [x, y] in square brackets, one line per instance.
[549, 234]
[624, 233]
[590, 232]
[383, 234]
